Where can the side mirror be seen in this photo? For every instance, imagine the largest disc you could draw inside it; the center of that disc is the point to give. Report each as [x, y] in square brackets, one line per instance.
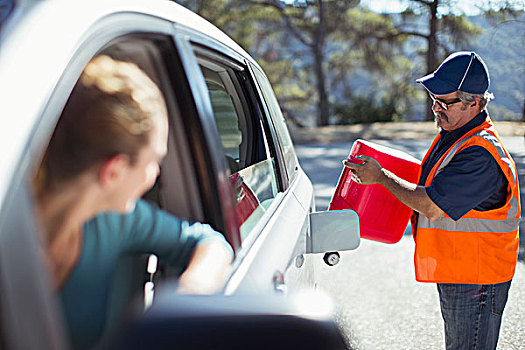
[296, 321]
[334, 230]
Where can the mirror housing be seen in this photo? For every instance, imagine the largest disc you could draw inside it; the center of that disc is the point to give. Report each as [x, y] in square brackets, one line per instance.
[334, 230]
[299, 321]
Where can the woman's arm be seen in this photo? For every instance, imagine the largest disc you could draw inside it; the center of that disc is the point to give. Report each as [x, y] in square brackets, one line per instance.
[195, 248]
[207, 270]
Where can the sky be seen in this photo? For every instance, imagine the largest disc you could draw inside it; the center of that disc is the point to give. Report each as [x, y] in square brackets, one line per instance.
[468, 7]
[388, 6]
[464, 6]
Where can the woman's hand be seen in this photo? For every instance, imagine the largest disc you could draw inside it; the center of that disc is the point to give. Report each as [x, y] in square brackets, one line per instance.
[207, 270]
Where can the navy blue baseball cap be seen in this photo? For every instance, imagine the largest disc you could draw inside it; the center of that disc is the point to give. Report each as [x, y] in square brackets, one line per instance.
[463, 70]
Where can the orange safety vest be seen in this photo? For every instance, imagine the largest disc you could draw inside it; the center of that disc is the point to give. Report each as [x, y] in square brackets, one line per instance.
[482, 246]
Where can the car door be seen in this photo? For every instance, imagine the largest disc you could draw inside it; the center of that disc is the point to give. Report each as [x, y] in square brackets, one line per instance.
[30, 316]
[270, 222]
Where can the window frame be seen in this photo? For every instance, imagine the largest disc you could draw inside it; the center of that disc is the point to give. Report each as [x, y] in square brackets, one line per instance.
[239, 102]
[209, 162]
[244, 107]
[289, 177]
[274, 140]
[256, 104]
[231, 57]
[26, 285]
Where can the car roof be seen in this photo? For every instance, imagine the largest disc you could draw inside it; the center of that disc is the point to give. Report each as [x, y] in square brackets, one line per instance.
[36, 45]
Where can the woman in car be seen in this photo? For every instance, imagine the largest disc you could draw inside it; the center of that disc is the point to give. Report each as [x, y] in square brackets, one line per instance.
[103, 156]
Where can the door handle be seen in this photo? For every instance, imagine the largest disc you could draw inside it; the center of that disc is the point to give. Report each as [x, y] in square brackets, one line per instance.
[279, 285]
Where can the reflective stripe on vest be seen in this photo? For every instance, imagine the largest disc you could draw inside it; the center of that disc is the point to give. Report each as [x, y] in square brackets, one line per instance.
[482, 246]
[489, 137]
[474, 225]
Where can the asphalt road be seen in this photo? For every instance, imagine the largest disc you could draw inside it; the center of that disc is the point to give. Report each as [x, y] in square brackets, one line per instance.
[380, 305]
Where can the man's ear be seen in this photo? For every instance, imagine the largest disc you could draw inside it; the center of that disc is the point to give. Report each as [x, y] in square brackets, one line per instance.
[112, 170]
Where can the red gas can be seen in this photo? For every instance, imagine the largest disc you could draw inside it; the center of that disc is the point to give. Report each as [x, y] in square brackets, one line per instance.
[382, 217]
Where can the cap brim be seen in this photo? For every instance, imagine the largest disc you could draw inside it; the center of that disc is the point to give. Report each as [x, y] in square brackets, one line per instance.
[435, 85]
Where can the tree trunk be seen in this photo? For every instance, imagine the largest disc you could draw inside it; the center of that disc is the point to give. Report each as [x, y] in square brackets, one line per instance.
[523, 113]
[323, 110]
[432, 50]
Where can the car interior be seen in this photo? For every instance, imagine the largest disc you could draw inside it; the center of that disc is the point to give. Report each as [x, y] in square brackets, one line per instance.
[177, 192]
[176, 189]
[246, 150]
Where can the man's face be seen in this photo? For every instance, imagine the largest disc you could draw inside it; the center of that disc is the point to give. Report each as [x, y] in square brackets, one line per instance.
[456, 115]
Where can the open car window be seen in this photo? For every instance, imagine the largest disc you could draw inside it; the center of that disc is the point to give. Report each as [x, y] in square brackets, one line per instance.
[116, 281]
[244, 139]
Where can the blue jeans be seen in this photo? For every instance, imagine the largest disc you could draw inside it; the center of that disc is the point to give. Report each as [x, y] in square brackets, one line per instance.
[472, 314]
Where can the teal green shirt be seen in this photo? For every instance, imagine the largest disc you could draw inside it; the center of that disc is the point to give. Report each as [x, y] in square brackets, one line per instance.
[107, 238]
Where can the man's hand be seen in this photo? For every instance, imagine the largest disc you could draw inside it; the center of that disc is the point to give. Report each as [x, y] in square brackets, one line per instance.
[366, 172]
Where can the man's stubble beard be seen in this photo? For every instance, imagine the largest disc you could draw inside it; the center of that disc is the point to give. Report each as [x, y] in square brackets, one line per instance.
[442, 118]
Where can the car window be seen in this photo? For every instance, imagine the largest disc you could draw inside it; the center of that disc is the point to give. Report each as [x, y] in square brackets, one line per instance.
[243, 137]
[175, 193]
[278, 122]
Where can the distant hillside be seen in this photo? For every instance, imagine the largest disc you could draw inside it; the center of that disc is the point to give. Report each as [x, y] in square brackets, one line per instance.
[503, 49]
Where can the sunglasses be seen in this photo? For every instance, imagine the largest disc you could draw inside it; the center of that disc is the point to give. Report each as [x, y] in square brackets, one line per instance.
[441, 103]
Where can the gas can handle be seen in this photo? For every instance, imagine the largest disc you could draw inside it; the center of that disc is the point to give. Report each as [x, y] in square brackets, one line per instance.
[354, 159]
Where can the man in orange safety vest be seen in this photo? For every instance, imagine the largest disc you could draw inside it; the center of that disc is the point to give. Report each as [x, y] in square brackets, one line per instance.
[466, 205]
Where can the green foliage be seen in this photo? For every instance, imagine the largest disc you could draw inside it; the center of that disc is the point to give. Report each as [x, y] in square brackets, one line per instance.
[370, 39]
[292, 86]
[398, 83]
[447, 28]
[326, 16]
[235, 17]
[368, 61]
[451, 29]
[365, 109]
[459, 30]
[504, 10]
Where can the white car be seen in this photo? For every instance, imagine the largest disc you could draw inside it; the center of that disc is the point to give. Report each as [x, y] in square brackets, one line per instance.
[231, 162]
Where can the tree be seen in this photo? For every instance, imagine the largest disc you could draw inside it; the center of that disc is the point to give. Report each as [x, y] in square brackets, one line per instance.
[258, 29]
[311, 23]
[523, 112]
[447, 29]
[234, 17]
[305, 46]
[369, 50]
[328, 33]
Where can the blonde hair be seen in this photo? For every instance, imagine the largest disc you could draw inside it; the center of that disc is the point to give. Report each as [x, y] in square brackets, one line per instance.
[109, 112]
